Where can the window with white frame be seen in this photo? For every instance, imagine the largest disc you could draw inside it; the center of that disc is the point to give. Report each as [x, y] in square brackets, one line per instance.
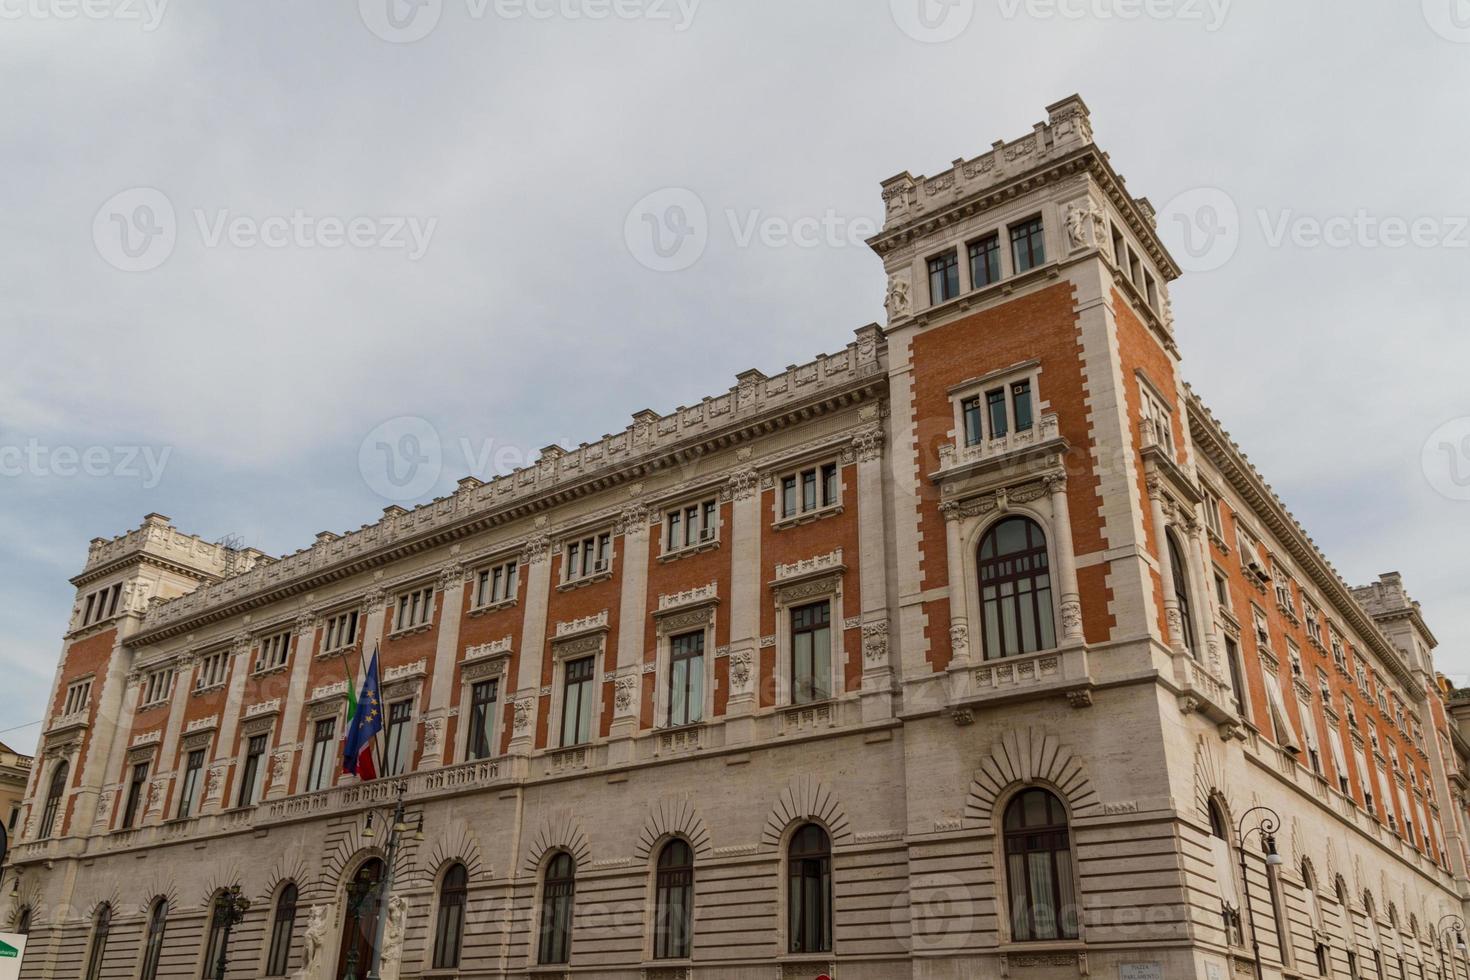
[686, 679]
[414, 609]
[1283, 592]
[156, 686]
[1222, 590]
[273, 651]
[77, 696]
[588, 557]
[1211, 507]
[213, 668]
[811, 652]
[341, 631]
[1294, 657]
[495, 584]
[809, 491]
[1339, 656]
[691, 525]
[1158, 419]
[1028, 247]
[1263, 631]
[101, 604]
[1314, 622]
[577, 700]
[323, 754]
[1323, 688]
[998, 411]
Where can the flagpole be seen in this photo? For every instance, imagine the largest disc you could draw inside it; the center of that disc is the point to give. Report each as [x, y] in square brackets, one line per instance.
[379, 750]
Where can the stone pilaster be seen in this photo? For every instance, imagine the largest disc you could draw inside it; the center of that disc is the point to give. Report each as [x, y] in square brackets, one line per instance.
[440, 696]
[632, 634]
[745, 587]
[523, 701]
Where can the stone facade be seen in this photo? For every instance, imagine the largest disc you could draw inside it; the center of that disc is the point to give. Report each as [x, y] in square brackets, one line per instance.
[1200, 659]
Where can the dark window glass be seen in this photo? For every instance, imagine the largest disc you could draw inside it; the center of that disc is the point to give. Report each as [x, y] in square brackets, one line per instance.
[944, 277]
[190, 790]
[985, 261]
[23, 921]
[809, 490]
[153, 941]
[1021, 402]
[811, 653]
[1237, 683]
[449, 928]
[397, 748]
[829, 485]
[1181, 593]
[974, 431]
[101, 928]
[54, 793]
[788, 497]
[482, 706]
[323, 754]
[809, 891]
[576, 715]
[995, 408]
[135, 794]
[1039, 868]
[674, 902]
[1027, 249]
[253, 770]
[686, 678]
[556, 910]
[1015, 590]
[215, 938]
[279, 957]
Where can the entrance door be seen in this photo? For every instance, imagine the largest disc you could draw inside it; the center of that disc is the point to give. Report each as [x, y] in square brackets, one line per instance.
[361, 921]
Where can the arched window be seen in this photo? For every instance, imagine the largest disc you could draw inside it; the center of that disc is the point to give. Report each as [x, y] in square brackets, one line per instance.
[278, 961]
[153, 941]
[101, 927]
[673, 901]
[449, 929]
[215, 936]
[809, 891]
[557, 894]
[1314, 915]
[1181, 592]
[1039, 868]
[1225, 875]
[1375, 941]
[1015, 589]
[23, 921]
[53, 797]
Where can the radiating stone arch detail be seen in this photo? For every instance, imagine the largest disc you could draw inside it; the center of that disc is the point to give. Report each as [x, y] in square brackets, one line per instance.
[559, 831]
[220, 878]
[459, 844]
[156, 885]
[806, 798]
[674, 816]
[291, 866]
[1028, 756]
[111, 898]
[1211, 780]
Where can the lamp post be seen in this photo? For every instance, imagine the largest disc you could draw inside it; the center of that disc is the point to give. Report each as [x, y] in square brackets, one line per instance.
[397, 828]
[229, 911]
[1266, 826]
[1457, 926]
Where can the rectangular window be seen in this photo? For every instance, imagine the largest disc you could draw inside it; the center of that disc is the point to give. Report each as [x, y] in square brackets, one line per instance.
[156, 686]
[944, 277]
[1211, 505]
[576, 705]
[273, 651]
[1237, 680]
[77, 697]
[1021, 404]
[212, 670]
[190, 786]
[496, 584]
[415, 609]
[970, 411]
[588, 557]
[995, 412]
[1222, 591]
[253, 770]
[1027, 248]
[397, 747]
[135, 794]
[686, 679]
[341, 631]
[102, 604]
[819, 489]
[1158, 421]
[985, 261]
[690, 526]
[811, 653]
[323, 755]
[482, 707]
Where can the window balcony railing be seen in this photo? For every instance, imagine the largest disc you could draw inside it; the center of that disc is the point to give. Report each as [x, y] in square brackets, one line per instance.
[1045, 430]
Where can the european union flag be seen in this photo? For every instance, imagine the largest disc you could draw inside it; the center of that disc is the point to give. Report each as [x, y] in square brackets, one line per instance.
[367, 721]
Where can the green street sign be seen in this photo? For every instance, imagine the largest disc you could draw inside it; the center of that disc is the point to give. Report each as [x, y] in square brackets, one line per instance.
[7, 951]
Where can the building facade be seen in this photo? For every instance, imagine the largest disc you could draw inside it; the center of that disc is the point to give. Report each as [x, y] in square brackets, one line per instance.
[15, 771]
[976, 648]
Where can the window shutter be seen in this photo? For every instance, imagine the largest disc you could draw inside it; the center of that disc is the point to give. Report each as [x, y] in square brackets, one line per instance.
[1285, 734]
[1224, 872]
[1334, 739]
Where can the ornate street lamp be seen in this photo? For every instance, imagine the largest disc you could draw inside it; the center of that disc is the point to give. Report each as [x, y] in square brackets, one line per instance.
[1441, 940]
[397, 830]
[1266, 826]
[229, 911]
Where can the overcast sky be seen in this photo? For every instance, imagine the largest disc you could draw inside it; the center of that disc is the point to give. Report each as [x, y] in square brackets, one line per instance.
[230, 367]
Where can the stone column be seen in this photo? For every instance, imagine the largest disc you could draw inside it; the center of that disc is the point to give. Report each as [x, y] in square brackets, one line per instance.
[435, 708]
[1066, 560]
[173, 732]
[288, 734]
[745, 605]
[1157, 505]
[119, 696]
[1204, 582]
[229, 721]
[527, 693]
[959, 622]
[873, 570]
[627, 670]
